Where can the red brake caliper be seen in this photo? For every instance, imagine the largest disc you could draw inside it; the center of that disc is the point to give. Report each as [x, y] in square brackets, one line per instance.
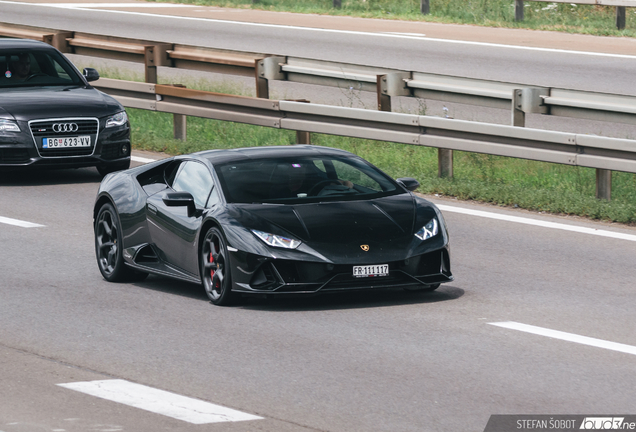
[216, 285]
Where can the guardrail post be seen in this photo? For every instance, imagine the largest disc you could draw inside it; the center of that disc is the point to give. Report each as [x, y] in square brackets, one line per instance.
[303, 137]
[620, 17]
[518, 116]
[60, 41]
[603, 184]
[518, 10]
[180, 126]
[389, 85]
[425, 7]
[528, 100]
[337, 4]
[444, 163]
[266, 69]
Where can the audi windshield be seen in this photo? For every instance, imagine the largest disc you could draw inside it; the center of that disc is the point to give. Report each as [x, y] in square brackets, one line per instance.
[36, 68]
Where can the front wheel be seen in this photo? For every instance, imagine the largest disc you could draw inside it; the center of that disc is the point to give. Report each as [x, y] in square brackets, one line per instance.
[109, 248]
[215, 268]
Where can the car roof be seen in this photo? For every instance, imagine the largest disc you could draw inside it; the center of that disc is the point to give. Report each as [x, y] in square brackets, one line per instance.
[23, 44]
[261, 152]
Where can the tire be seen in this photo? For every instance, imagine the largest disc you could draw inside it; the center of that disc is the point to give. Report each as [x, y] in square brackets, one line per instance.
[422, 288]
[108, 248]
[216, 274]
[109, 168]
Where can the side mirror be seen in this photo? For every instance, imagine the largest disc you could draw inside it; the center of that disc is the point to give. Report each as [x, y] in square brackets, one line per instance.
[408, 183]
[180, 199]
[91, 74]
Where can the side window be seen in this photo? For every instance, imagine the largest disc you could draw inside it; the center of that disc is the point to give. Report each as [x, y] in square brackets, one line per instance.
[195, 178]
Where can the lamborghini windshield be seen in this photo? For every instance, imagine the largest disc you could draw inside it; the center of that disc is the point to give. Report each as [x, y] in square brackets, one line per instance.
[27, 68]
[302, 179]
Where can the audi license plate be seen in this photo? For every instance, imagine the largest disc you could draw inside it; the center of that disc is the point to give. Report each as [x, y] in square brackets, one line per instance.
[371, 270]
[78, 141]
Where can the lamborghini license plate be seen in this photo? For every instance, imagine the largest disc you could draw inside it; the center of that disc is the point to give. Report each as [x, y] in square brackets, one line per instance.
[371, 270]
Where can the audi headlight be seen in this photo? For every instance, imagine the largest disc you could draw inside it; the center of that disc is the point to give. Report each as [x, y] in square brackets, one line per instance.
[276, 240]
[429, 230]
[8, 126]
[118, 119]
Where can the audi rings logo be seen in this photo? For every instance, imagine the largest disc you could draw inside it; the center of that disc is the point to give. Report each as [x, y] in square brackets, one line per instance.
[65, 127]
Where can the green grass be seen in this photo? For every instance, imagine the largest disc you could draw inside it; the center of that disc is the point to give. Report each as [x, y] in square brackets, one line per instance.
[566, 17]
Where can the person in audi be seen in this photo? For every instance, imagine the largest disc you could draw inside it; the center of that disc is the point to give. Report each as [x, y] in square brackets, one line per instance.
[51, 117]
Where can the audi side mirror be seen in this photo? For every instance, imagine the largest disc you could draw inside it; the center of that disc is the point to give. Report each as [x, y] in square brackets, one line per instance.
[91, 74]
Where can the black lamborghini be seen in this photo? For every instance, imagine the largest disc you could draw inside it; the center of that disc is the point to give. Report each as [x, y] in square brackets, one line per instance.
[269, 220]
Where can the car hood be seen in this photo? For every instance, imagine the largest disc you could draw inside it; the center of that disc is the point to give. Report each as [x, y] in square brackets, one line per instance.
[341, 229]
[45, 102]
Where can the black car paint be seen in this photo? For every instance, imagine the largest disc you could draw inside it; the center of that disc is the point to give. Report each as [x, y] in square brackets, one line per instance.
[331, 233]
[111, 146]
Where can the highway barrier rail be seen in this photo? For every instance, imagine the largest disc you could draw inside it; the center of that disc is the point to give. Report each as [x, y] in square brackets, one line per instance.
[520, 99]
[449, 134]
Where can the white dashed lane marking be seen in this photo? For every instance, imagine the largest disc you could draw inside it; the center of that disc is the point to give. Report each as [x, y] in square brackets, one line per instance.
[169, 404]
[570, 337]
[16, 222]
[537, 222]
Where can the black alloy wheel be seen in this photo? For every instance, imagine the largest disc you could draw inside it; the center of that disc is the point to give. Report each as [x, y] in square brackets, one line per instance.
[108, 248]
[215, 270]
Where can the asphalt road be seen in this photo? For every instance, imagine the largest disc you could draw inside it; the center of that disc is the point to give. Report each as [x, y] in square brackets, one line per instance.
[379, 361]
[363, 42]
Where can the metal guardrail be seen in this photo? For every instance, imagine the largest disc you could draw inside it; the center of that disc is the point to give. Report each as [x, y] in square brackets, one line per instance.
[386, 83]
[534, 144]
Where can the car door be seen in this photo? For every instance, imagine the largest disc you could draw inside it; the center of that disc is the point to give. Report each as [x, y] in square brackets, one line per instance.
[174, 229]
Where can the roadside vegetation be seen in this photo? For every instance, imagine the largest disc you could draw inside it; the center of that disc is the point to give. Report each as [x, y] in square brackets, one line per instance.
[531, 185]
[565, 17]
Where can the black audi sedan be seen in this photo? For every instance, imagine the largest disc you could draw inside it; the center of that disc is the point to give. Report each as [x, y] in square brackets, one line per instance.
[50, 116]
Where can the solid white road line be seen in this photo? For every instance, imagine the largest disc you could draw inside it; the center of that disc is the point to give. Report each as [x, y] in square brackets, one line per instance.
[142, 159]
[16, 222]
[536, 222]
[570, 337]
[348, 32]
[115, 5]
[160, 402]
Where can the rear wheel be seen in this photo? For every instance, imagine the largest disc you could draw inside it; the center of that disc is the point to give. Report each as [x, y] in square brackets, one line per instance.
[108, 248]
[215, 268]
[422, 288]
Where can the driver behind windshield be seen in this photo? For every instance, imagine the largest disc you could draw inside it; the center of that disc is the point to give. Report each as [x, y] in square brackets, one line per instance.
[19, 68]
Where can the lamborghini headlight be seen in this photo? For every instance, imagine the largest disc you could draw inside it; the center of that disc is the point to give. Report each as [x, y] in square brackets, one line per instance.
[118, 119]
[276, 240]
[8, 126]
[429, 230]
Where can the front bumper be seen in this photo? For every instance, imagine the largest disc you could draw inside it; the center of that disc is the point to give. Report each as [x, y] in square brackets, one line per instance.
[261, 275]
[22, 150]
